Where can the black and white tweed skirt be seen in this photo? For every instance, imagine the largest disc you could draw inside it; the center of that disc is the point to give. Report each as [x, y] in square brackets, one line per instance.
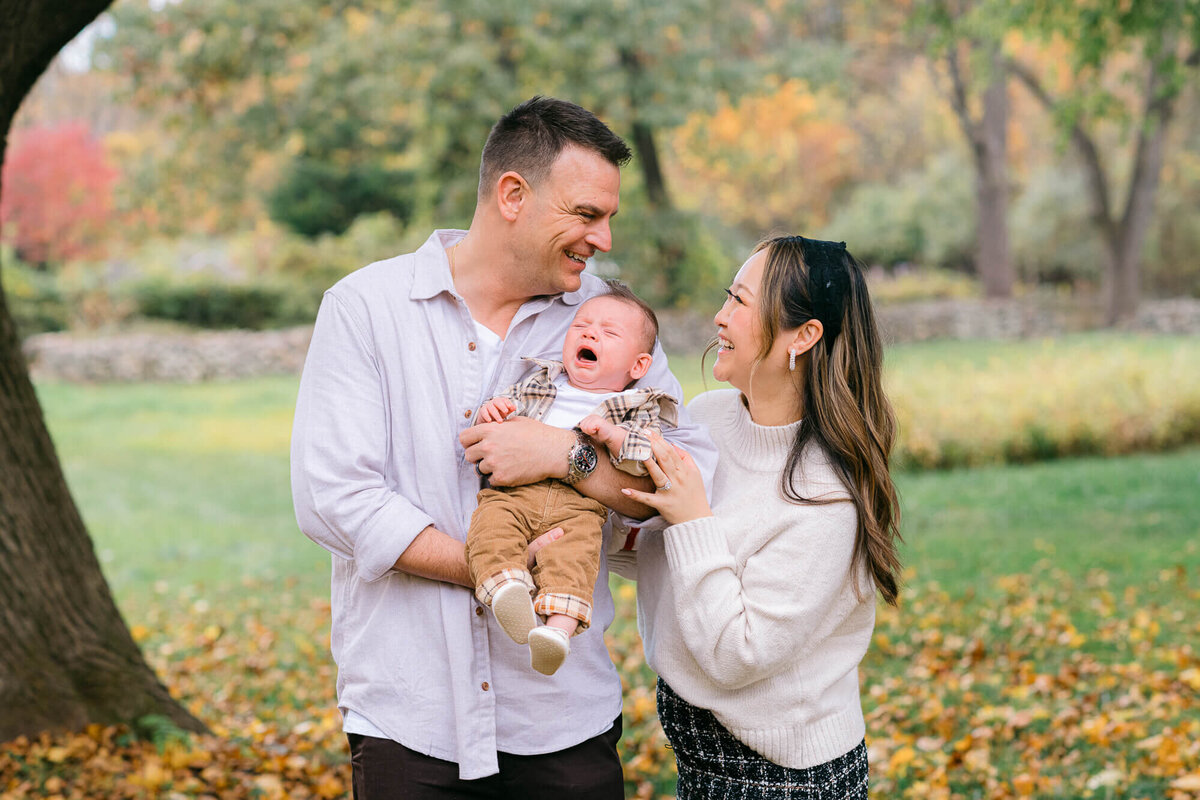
[714, 765]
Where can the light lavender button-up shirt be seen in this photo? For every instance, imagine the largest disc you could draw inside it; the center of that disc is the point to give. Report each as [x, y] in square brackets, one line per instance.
[390, 380]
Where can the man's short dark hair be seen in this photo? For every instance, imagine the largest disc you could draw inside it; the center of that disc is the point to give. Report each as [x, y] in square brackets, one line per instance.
[621, 292]
[528, 139]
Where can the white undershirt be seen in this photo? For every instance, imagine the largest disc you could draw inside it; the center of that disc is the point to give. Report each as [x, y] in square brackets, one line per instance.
[572, 404]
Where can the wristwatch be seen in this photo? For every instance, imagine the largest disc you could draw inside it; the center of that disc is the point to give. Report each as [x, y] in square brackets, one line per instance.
[581, 460]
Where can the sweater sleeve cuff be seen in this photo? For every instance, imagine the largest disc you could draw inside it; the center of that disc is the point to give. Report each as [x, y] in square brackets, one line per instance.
[695, 541]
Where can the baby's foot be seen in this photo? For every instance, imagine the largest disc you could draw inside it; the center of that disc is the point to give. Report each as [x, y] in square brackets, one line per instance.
[548, 649]
[513, 607]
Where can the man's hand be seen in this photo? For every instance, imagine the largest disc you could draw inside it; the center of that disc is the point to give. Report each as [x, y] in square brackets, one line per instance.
[538, 544]
[609, 434]
[517, 452]
[496, 410]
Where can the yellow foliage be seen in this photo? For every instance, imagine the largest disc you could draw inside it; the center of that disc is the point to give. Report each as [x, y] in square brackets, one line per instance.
[1056, 401]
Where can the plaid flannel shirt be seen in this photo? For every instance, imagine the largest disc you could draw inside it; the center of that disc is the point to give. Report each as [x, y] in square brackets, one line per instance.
[638, 412]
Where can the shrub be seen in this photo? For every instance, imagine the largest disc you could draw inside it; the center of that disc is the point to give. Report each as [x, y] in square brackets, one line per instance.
[34, 299]
[991, 403]
[317, 197]
[212, 304]
[57, 196]
[675, 258]
[927, 217]
[911, 285]
[1052, 237]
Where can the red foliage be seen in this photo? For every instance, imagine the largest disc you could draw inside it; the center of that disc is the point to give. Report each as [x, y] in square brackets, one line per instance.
[57, 193]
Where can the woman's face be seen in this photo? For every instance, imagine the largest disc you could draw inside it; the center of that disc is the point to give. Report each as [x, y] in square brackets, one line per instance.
[739, 330]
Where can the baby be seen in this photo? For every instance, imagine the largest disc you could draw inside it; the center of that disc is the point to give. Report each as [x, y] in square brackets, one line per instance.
[606, 350]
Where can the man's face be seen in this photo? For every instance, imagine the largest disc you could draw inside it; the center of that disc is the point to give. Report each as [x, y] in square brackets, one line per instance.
[603, 346]
[568, 219]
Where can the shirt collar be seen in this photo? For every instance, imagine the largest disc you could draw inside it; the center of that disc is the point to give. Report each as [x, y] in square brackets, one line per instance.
[432, 275]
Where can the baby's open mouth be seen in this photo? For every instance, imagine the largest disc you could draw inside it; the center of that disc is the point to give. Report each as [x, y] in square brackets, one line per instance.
[586, 354]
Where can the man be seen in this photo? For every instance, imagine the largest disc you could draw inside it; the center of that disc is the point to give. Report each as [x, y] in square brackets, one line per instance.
[437, 701]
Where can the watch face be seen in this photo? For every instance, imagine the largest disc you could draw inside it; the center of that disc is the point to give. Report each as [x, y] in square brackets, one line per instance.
[586, 458]
[583, 459]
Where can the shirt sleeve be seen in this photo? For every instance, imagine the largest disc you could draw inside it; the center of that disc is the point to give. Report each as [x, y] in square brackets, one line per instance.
[744, 627]
[339, 447]
[686, 433]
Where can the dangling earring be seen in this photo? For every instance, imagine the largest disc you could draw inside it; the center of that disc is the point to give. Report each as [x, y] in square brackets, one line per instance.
[791, 360]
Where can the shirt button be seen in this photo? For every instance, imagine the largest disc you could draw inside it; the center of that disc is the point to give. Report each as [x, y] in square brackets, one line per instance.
[485, 686]
[471, 346]
[467, 414]
[479, 611]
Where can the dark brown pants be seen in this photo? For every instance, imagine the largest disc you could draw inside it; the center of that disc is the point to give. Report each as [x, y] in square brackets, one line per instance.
[387, 770]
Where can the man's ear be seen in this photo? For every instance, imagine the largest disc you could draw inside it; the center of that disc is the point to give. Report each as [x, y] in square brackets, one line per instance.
[641, 366]
[511, 194]
[806, 336]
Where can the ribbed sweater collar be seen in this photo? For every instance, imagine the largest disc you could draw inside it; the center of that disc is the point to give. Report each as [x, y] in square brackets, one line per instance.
[758, 447]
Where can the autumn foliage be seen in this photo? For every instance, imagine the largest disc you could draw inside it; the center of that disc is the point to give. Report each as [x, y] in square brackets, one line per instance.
[57, 193]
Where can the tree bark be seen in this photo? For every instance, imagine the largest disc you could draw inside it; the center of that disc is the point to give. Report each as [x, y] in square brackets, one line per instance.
[652, 175]
[988, 139]
[67, 657]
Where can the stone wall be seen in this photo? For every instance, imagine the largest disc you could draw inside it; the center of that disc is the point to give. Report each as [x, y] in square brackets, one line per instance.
[213, 355]
[184, 357]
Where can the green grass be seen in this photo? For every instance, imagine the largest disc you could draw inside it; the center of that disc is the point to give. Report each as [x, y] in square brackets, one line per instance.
[184, 485]
[1132, 516]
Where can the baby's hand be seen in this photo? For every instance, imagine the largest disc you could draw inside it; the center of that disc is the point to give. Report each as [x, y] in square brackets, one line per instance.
[496, 410]
[606, 433]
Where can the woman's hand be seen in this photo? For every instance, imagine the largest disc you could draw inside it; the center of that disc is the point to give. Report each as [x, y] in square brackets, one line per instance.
[679, 496]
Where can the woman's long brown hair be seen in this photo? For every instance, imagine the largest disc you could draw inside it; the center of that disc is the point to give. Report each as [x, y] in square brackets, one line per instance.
[845, 409]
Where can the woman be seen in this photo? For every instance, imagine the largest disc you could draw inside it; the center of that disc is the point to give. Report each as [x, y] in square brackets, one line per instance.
[756, 612]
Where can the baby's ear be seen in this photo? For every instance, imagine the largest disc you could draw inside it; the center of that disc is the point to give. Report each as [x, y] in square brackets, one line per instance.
[641, 366]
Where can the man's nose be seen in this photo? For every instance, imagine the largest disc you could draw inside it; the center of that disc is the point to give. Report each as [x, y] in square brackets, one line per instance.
[601, 237]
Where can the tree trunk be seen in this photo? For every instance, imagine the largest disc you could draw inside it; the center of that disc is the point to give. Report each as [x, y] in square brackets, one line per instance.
[67, 657]
[1125, 285]
[991, 188]
[647, 150]
[988, 139]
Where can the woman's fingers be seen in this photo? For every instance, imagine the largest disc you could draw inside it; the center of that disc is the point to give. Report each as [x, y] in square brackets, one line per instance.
[664, 452]
[657, 473]
[645, 498]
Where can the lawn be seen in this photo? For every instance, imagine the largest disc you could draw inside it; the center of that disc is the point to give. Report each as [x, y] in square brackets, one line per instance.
[1045, 645]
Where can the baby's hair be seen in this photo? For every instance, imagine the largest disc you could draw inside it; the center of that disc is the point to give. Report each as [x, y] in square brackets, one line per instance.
[621, 292]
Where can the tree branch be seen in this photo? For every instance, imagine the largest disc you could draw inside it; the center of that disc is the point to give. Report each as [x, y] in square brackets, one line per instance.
[1097, 181]
[958, 101]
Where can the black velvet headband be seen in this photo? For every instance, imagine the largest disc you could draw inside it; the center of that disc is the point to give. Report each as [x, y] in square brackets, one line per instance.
[828, 282]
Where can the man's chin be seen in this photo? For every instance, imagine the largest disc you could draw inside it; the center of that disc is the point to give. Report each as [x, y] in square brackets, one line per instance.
[571, 283]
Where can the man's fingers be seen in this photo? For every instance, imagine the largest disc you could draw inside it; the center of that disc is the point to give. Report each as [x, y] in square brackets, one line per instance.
[538, 544]
[474, 434]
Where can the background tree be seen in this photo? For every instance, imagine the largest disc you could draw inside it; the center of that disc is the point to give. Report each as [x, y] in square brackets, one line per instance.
[965, 37]
[68, 657]
[246, 76]
[57, 193]
[1150, 49]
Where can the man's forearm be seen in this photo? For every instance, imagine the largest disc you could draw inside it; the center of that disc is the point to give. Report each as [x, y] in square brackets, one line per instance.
[604, 485]
[437, 556]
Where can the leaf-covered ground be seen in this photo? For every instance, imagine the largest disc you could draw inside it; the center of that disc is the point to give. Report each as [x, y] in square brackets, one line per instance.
[1037, 685]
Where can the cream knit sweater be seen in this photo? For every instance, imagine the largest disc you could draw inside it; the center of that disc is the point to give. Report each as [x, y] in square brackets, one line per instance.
[752, 612]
